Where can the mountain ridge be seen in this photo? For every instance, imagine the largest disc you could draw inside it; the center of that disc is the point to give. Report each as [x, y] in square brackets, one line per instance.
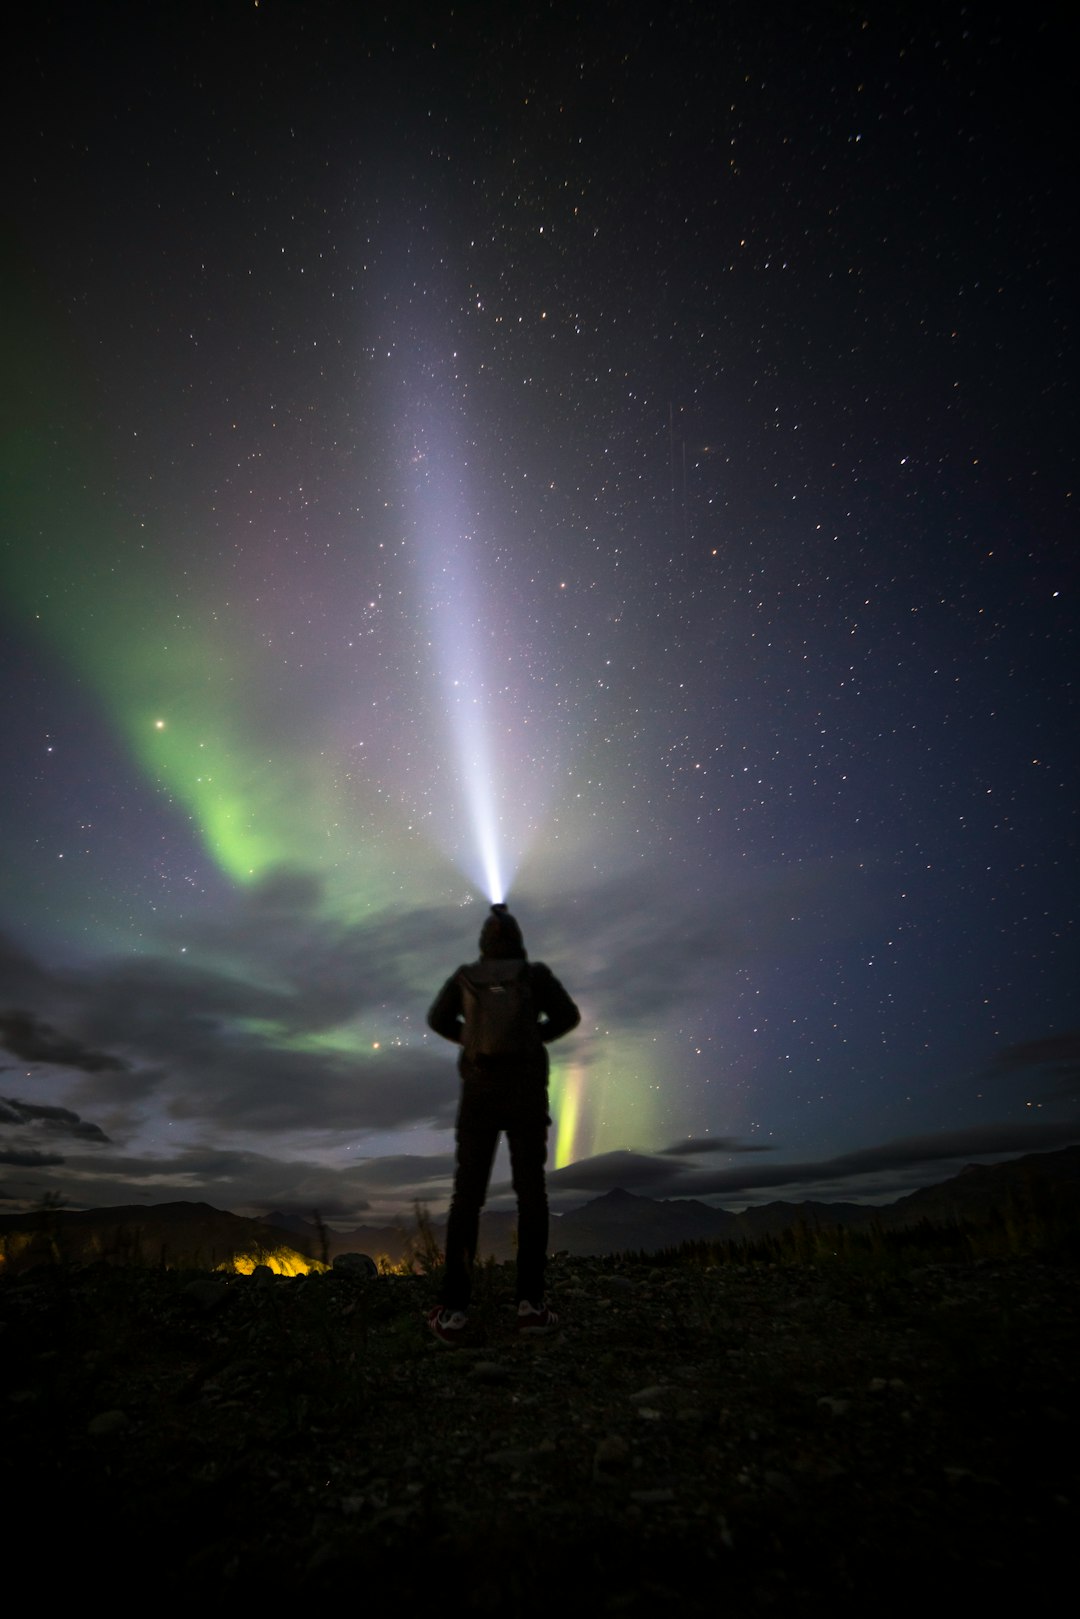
[617, 1221]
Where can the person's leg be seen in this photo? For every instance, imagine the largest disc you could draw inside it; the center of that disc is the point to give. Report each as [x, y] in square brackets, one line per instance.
[477, 1137]
[527, 1140]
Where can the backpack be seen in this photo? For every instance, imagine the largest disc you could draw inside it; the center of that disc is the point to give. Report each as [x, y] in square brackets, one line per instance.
[500, 1017]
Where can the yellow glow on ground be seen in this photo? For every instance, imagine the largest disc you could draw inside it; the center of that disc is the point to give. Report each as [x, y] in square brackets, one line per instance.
[283, 1262]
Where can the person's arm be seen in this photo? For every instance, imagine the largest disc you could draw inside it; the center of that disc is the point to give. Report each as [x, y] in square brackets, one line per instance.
[558, 1014]
[446, 1015]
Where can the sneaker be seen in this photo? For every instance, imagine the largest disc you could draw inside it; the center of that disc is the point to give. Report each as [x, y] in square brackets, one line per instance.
[536, 1320]
[448, 1325]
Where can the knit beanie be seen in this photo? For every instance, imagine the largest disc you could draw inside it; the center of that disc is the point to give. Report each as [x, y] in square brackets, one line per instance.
[500, 935]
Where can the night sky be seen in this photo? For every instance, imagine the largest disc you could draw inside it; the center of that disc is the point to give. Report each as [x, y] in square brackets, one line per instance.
[618, 454]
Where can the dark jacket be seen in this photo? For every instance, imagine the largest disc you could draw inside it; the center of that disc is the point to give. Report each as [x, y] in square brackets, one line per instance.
[556, 1012]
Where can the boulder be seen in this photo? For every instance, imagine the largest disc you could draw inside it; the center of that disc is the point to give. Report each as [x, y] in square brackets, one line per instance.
[361, 1265]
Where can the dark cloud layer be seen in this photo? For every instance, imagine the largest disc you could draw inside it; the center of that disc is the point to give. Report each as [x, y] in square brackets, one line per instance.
[232, 1031]
[1059, 1048]
[646, 944]
[222, 1046]
[26, 1036]
[256, 1183]
[250, 1182]
[232, 1041]
[1052, 1064]
[55, 1120]
[404, 1169]
[609, 1169]
[28, 1157]
[911, 1156]
[697, 1146]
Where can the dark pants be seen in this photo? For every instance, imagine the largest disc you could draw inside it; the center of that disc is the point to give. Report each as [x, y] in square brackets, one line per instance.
[486, 1110]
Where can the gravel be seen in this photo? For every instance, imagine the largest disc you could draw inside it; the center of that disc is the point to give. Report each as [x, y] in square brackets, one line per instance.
[757, 1438]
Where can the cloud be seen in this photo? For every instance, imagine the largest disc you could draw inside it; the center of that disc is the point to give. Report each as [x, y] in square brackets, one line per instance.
[56, 1120]
[906, 1155]
[313, 970]
[610, 1169]
[639, 947]
[247, 1082]
[695, 1146]
[404, 1169]
[26, 1036]
[891, 1167]
[1056, 1058]
[255, 1183]
[248, 1182]
[278, 1021]
[21, 979]
[244, 1181]
[636, 957]
[251, 1049]
[1055, 1048]
[267, 1020]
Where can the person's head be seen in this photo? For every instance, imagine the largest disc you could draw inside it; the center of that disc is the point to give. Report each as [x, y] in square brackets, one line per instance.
[500, 935]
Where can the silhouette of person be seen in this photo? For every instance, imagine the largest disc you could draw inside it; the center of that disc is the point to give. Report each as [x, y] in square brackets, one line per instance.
[504, 1011]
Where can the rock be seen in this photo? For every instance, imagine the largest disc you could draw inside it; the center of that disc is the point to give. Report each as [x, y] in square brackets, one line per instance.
[205, 1295]
[106, 1423]
[361, 1265]
[834, 1405]
[611, 1453]
[490, 1371]
[262, 1276]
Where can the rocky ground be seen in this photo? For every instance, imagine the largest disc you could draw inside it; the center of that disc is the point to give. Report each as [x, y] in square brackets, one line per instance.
[741, 1439]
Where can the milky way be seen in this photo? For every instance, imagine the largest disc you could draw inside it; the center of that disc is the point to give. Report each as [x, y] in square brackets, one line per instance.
[621, 458]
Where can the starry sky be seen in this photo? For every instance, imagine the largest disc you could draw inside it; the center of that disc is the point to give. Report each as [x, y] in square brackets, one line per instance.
[616, 455]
